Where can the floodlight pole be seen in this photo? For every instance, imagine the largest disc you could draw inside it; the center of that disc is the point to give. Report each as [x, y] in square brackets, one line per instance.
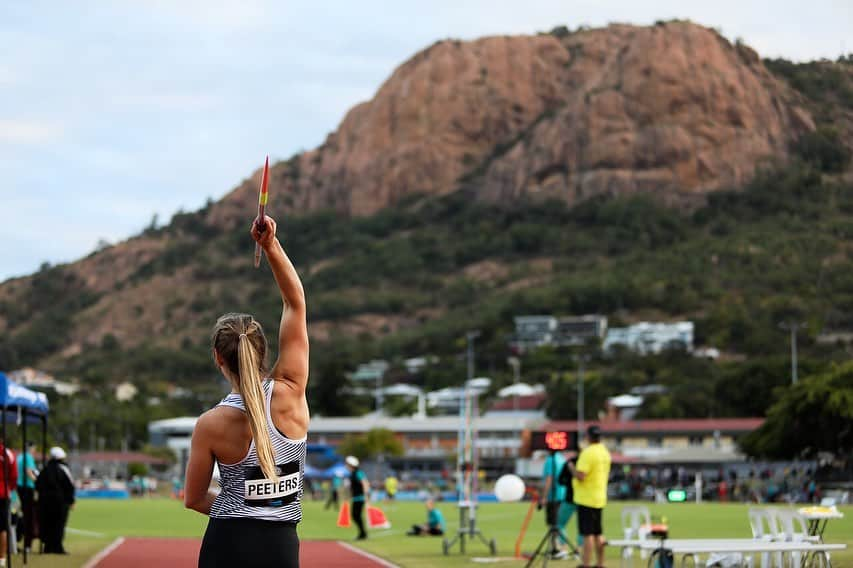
[581, 360]
[793, 327]
[515, 363]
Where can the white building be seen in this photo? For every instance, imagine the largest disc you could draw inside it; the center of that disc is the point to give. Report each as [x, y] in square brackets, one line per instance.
[649, 338]
[534, 331]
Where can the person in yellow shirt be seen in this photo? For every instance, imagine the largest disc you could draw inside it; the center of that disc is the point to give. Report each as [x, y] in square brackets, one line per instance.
[391, 487]
[589, 482]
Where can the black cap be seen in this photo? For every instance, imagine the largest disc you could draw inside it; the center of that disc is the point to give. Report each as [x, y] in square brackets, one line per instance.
[593, 431]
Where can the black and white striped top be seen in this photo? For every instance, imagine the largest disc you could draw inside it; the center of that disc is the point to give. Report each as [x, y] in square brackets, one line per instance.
[246, 493]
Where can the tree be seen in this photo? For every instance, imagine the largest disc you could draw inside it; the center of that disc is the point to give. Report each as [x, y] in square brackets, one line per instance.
[329, 384]
[375, 442]
[815, 415]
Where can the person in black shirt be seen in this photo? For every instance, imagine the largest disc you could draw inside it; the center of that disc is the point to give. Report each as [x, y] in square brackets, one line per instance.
[55, 498]
[359, 489]
[567, 507]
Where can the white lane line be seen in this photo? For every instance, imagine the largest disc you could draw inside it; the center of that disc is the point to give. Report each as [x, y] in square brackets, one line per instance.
[85, 533]
[378, 560]
[104, 553]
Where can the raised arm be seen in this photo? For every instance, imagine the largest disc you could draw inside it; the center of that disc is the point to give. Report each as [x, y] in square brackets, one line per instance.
[292, 362]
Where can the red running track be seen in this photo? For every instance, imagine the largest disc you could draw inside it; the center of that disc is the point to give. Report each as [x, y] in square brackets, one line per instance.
[183, 552]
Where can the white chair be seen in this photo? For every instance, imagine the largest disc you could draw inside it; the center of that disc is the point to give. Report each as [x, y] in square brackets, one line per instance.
[794, 528]
[636, 521]
[764, 525]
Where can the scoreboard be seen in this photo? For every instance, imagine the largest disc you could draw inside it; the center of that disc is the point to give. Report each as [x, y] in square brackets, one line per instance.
[553, 440]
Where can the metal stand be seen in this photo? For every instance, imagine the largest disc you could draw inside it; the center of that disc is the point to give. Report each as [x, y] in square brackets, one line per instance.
[467, 527]
[551, 536]
[553, 533]
[468, 464]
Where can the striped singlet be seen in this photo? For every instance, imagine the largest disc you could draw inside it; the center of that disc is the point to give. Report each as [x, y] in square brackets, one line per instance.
[246, 493]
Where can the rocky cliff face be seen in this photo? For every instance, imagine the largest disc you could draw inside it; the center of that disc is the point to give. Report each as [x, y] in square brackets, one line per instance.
[673, 109]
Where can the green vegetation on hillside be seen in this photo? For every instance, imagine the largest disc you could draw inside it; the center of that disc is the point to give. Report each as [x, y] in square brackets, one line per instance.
[412, 279]
[737, 267]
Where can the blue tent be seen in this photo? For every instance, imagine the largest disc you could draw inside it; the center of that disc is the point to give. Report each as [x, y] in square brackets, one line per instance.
[22, 406]
[17, 398]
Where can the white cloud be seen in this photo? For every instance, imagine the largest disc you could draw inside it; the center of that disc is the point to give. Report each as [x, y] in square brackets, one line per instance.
[225, 15]
[27, 132]
[8, 76]
[167, 101]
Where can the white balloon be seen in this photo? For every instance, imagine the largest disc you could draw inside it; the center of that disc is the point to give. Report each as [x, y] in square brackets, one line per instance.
[509, 487]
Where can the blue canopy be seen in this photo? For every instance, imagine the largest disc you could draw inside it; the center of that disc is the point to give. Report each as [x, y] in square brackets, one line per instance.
[17, 397]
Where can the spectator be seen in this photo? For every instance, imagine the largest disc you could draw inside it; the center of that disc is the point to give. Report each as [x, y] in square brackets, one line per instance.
[7, 485]
[590, 486]
[553, 494]
[333, 493]
[435, 522]
[56, 497]
[391, 487]
[723, 491]
[567, 507]
[27, 475]
[359, 489]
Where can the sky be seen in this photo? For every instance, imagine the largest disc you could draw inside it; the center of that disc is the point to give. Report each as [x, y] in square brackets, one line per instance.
[114, 111]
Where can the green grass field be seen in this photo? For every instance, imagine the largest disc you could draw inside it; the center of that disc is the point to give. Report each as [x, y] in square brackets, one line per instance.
[94, 524]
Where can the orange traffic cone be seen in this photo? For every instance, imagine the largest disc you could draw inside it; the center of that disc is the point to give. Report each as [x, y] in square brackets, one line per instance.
[343, 516]
[376, 518]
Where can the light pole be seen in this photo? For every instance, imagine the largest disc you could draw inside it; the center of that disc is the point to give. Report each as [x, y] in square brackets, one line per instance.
[793, 327]
[581, 360]
[515, 363]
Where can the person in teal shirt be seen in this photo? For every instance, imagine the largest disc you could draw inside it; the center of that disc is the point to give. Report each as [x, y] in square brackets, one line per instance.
[333, 492]
[435, 522]
[553, 494]
[27, 475]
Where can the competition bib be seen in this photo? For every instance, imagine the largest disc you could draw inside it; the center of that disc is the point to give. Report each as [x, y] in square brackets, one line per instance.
[259, 491]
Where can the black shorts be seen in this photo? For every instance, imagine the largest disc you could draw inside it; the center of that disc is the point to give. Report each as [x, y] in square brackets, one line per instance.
[249, 542]
[589, 521]
[4, 514]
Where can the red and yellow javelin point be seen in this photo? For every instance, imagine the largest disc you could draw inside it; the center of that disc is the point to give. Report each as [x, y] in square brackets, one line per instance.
[263, 197]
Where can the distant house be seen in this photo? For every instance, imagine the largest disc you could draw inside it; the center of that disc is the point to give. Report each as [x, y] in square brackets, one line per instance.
[580, 330]
[39, 380]
[649, 338]
[415, 365]
[370, 372]
[529, 407]
[449, 399]
[534, 331]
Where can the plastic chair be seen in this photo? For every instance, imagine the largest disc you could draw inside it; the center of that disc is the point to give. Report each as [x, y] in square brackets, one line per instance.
[635, 523]
[764, 525]
[795, 529]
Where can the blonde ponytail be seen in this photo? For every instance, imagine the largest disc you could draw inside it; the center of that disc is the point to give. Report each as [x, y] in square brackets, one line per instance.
[253, 397]
[239, 340]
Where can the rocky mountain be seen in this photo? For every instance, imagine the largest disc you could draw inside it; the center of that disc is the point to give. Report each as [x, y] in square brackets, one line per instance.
[673, 109]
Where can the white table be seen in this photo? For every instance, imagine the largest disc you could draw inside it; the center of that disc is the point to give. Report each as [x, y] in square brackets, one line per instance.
[817, 520]
[690, 548]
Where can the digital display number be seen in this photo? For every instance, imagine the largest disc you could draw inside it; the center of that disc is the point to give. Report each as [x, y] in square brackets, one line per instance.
[557, 440]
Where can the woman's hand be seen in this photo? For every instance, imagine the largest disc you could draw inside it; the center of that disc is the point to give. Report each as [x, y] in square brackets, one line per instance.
[265, 237]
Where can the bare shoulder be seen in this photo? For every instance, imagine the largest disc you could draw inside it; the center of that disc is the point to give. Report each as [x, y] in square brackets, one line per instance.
[217, 421]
